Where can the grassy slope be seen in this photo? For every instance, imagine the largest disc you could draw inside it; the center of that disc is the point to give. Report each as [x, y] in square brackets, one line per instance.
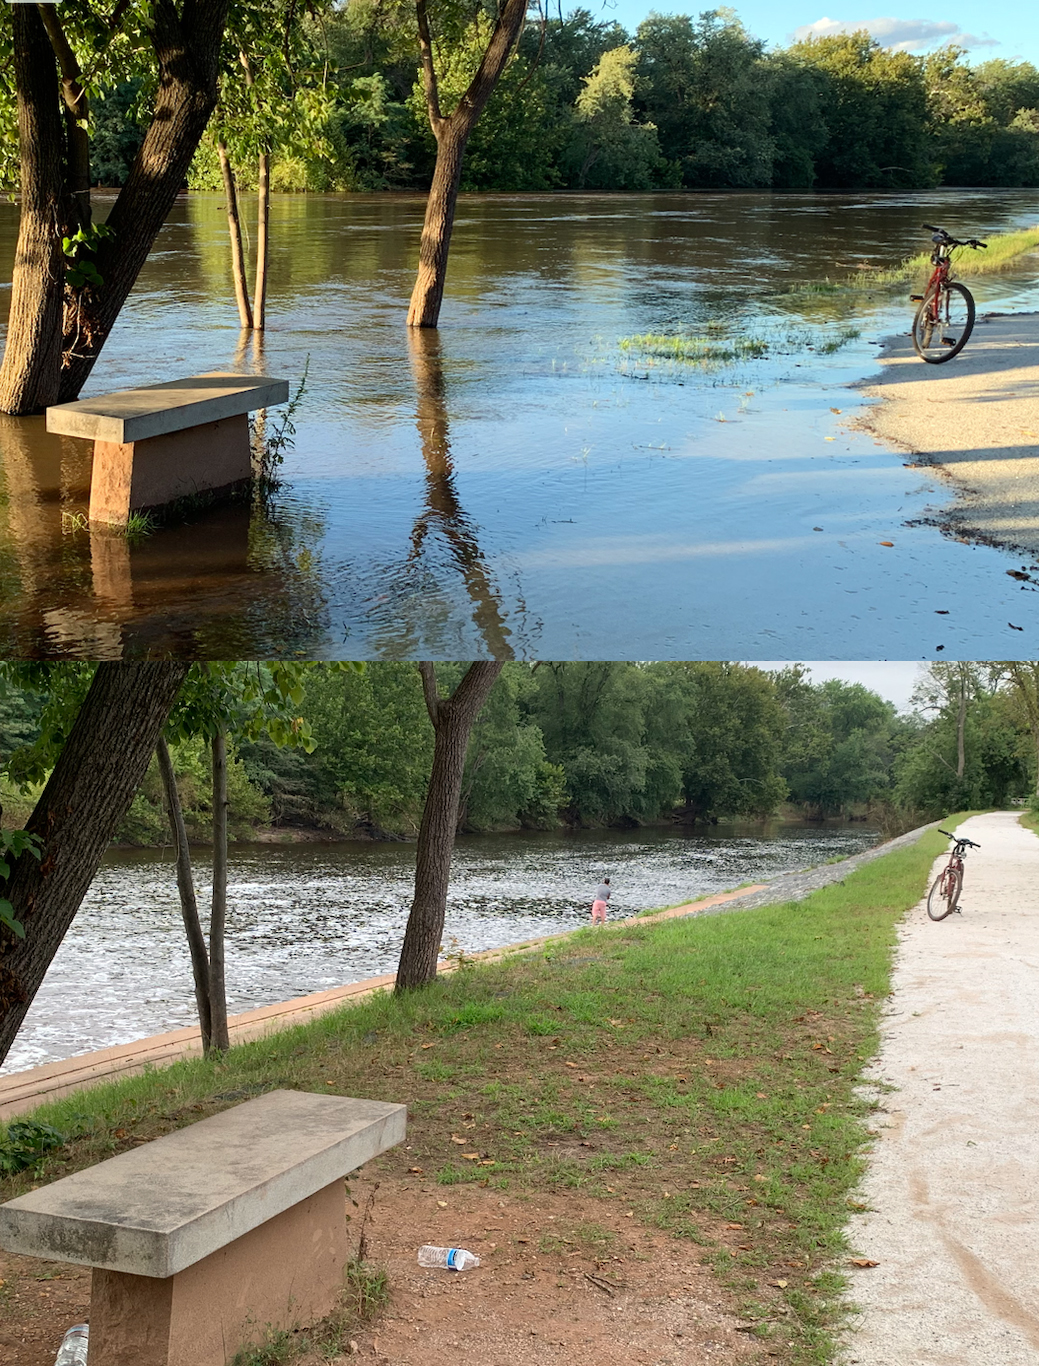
[701, 1071]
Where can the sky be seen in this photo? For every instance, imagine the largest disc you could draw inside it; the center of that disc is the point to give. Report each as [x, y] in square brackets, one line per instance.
[893, 679]
[1003, 28]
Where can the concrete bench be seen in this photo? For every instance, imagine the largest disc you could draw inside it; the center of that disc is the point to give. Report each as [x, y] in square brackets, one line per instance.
[167, 441]
[200, 1240]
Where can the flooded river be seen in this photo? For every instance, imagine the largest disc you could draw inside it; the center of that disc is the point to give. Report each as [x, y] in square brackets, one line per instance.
[520, 483]
[304, 918]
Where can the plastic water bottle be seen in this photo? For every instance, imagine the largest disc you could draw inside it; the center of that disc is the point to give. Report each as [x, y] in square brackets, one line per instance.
[454, 1258]
[73, 1350]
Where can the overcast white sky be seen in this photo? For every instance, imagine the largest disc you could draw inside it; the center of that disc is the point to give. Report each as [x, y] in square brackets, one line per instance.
[893, 679]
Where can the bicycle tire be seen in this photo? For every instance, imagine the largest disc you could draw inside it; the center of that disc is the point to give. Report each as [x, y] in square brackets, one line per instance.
[924, 325]
[944, 893]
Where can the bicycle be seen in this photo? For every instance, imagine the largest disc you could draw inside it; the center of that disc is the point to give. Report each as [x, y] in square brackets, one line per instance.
[944, 896]
[945, 317]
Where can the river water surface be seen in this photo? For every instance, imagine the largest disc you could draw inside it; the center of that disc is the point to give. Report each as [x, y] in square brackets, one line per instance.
[305, 918]
[519, 483]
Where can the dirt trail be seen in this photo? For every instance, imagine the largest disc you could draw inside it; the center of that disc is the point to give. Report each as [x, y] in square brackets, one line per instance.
[977, 419]
[952, 1191]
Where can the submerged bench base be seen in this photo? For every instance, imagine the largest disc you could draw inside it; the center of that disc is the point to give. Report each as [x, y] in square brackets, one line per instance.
[133, 476]
[285, 1274]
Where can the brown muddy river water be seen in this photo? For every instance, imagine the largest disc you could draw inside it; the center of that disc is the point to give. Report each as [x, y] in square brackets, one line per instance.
[520, 484]
[304, 918]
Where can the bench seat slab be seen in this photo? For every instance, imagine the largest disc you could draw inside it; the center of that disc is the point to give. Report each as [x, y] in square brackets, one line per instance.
[285, 1274]
[162, 1207]
[133, 476]
[131, 415]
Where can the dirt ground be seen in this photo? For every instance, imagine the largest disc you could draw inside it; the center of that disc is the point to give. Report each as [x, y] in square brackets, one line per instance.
[563, 1281]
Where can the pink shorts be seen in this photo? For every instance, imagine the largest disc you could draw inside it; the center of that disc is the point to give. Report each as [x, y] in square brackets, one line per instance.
[598, 911]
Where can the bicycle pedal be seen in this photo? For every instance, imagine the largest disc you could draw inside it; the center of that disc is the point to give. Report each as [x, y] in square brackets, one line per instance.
[916, 298]
[948, 341]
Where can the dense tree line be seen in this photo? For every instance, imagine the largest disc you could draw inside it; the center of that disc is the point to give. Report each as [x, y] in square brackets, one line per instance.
[683, 102]
[605, 743]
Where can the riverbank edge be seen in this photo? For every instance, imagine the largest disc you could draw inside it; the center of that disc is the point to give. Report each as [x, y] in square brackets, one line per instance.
[21, 1092]
[895, 419]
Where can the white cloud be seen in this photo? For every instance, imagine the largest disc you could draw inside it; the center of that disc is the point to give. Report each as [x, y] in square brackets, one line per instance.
[903, 35]
[893, 679]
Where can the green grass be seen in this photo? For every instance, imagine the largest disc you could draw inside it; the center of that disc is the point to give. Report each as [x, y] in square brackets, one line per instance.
[700, 1071]
[1030, 820]
[1004, 250]
[712, 351]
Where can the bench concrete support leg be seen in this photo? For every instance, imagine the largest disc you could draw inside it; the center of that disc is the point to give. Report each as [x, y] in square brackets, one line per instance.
[131, 476]
[292, 1266]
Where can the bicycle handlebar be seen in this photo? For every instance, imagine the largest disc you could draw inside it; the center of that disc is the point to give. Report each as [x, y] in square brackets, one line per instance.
[948, 833]
[947, 241]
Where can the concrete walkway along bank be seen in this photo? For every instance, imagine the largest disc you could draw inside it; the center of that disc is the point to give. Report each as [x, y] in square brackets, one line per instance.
[953, 1183]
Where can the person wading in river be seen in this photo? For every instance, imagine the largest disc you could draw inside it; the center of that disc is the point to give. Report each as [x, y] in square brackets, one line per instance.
[602, 895]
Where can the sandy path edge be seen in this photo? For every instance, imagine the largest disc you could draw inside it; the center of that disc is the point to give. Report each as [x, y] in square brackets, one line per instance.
[953, 1217]
[974, 419]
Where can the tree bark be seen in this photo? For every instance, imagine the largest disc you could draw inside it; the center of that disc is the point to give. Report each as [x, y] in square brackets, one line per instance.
[263, 220]
[452, 135]
[77, 114]
[234, 228]
[453, 719]
[31, 373]
[186, 889]
[217, 990]
[188, 49]
[961, 724]
[93, 783]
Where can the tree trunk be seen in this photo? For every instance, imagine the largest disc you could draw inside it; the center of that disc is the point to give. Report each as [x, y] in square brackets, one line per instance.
[263, 220]
[188, 50]
[234, 228]
[186, 888]
[452, 134]
[90, 790]
[31, 372]
[453, 719]
[961, 725]
[428, 294]
[217, 991]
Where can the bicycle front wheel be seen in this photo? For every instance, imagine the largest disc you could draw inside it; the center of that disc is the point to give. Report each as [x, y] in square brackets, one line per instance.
[944, 893]
[943, 323]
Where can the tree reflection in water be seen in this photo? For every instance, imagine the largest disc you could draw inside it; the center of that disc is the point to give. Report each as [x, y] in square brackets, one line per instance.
[443, 513]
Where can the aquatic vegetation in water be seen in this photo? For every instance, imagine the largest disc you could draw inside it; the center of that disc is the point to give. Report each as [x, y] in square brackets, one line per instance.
[712, 351]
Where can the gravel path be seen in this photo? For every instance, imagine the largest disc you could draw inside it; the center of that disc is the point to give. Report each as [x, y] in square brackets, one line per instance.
[953, 1221]
[977, 419]
[796, 886]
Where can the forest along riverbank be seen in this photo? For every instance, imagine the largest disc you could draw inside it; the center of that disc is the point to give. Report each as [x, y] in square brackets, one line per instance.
[671, 367]
[305, 918]
[976, 419]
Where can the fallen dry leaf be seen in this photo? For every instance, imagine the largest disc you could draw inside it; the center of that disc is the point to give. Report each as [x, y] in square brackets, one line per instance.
[862, 1261]
[780, 1285]
[885, 543]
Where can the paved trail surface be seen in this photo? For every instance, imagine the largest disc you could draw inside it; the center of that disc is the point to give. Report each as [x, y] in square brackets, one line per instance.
[953, 1184]
[977, 418]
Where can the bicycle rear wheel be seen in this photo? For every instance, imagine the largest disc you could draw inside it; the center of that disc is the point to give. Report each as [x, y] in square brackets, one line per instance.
[943, 323]
[944, 893]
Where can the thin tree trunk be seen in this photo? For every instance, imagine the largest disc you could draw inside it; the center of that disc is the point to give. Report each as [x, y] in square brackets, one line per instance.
[428, 294]
[453, 719]
[452, 134]
[31, 374]
[234, 228]
[188, 49]
[77, 115]
[263, 219]
[186, 888]
[217, 991]
[961, 725]
[90, 790]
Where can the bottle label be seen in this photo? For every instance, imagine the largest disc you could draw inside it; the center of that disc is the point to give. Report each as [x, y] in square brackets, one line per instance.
[451, 1253]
